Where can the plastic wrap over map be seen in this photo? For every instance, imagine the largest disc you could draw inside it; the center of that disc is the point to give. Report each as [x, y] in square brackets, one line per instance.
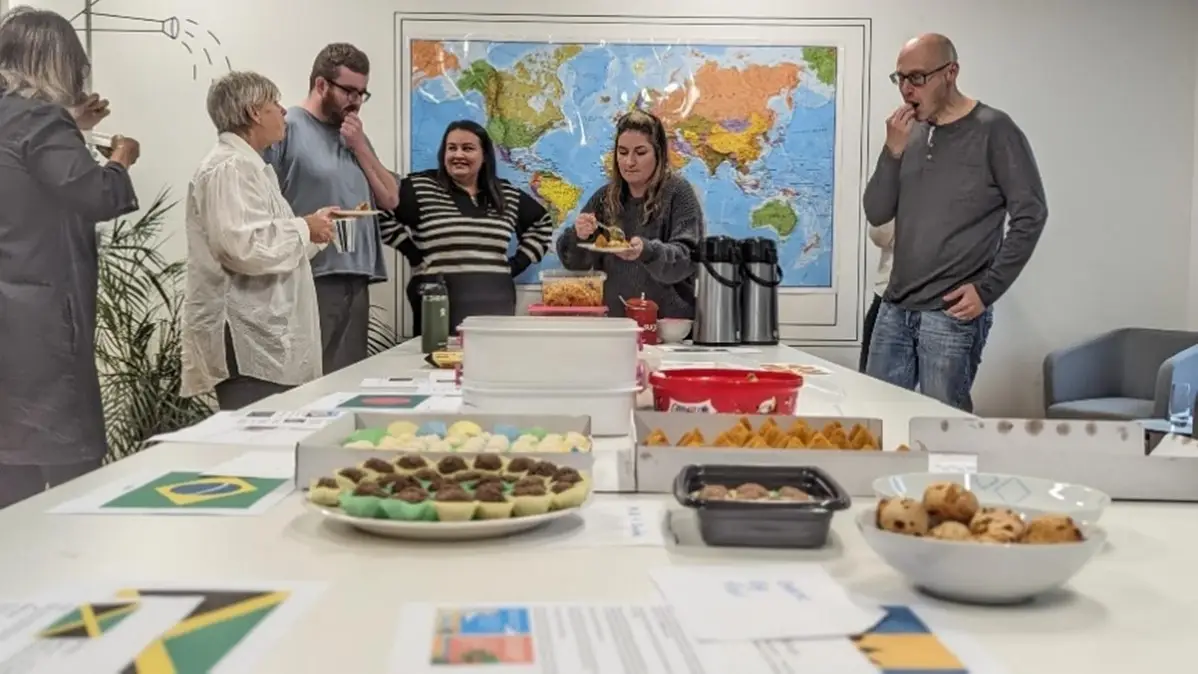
[753, 128]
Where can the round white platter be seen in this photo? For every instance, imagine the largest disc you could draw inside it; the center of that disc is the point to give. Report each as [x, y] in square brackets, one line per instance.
[443, 531]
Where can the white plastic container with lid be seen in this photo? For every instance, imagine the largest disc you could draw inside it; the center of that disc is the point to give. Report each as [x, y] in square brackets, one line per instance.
[610, 409]
[562, 352]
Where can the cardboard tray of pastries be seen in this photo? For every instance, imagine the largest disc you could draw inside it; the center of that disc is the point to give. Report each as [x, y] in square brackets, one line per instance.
[850, 449]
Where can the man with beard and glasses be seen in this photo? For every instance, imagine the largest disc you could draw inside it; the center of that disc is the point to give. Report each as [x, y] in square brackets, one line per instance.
[326, 159]
[954, 171]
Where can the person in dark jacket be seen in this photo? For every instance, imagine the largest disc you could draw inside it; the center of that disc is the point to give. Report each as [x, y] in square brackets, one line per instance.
[54, 192]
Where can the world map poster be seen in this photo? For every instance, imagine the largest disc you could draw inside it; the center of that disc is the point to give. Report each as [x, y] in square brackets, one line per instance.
[753, 128]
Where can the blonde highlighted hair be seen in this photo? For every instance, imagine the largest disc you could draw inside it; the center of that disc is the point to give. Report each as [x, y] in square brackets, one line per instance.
[613, 200]
[41, 57]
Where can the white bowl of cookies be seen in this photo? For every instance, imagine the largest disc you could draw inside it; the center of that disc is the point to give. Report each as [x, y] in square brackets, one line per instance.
[953, 544]
[1017, 492]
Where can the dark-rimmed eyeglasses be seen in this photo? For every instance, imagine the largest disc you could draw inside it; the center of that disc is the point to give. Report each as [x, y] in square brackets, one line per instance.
[352, 92]
[917, 79]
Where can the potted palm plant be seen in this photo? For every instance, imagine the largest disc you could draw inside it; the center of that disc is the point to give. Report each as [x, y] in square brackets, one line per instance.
[138, 336]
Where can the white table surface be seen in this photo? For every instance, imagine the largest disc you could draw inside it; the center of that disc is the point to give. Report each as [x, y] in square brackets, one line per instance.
[1133, 606]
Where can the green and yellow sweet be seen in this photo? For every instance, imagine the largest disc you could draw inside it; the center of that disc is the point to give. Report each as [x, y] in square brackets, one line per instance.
[465, 436]
[452, 489]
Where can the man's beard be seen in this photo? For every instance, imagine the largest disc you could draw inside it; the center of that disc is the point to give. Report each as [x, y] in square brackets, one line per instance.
[333, 111]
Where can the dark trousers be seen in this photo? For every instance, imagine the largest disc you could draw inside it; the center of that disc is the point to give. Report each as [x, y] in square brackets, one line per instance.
[238, 390]
[867, 330]
[344, 303]
[18, 483]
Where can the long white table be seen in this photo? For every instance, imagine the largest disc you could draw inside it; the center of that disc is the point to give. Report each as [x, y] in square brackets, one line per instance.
[1132, 607]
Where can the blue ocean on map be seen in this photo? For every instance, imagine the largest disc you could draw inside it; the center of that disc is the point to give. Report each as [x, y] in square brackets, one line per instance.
[753, 128]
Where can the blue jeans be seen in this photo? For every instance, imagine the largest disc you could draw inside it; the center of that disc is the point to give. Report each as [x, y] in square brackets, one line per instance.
[931, 349]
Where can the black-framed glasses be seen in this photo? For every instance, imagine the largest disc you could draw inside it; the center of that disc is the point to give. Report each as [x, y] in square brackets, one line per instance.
[916, 79]
[351, 92]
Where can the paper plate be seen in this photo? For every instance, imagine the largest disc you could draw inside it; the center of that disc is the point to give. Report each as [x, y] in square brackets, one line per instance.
[442, 531]
[355, 214]
[596, 249]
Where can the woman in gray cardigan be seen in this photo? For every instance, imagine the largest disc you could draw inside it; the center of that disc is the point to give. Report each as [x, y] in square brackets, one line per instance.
[54, 193]
[660, 215]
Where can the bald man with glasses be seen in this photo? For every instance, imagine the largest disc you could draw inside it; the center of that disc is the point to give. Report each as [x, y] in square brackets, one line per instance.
[959, 179]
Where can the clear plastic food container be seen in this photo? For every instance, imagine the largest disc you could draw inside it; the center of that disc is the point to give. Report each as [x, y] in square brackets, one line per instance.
[565, 288]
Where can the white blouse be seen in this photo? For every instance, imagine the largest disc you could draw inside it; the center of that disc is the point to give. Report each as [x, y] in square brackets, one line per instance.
[248, 267]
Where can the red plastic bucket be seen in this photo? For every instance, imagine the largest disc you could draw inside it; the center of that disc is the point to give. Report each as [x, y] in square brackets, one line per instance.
[725, 391]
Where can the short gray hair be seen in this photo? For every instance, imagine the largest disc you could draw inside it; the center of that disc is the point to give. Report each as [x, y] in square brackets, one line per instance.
[41, 57]
[232, 98]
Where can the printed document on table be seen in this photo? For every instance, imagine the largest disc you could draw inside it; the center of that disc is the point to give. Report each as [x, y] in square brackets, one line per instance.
[607, 638]
[388, 401]
[99, 635]
[618, 523]
[799, 601]
[228, 627]
[180, 492]
[276, 430]
[543, 639]
[422, 383]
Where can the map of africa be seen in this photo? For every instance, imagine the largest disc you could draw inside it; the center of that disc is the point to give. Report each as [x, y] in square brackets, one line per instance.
[752, 128]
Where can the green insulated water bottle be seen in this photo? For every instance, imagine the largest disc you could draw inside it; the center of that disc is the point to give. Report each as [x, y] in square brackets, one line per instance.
[434, 316]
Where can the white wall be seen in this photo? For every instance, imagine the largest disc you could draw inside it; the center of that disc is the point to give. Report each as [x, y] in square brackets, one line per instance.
[1105, 91]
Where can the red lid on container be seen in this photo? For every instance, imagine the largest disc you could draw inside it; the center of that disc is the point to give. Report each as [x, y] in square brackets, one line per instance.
[732, 377]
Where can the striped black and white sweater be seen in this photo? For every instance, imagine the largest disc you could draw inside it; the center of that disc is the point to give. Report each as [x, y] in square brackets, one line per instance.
[440, 229]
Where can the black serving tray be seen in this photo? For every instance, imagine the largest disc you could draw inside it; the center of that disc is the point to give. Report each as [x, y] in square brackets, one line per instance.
[798, 524]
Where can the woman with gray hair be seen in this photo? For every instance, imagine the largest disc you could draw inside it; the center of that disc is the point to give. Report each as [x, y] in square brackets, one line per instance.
[250, 322]
[54, 193]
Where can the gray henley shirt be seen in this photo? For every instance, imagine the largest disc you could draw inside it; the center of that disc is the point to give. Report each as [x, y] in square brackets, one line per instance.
[949, 195]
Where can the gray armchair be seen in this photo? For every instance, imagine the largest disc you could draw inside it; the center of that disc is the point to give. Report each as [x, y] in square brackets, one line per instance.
[1122, 375]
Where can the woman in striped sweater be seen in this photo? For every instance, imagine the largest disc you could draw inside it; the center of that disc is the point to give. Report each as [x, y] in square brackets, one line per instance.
[660, 215]
[457, 222]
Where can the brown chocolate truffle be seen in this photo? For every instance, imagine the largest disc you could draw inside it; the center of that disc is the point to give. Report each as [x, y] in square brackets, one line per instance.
[520, 464]
[368, 489]
[411, 495]
[713, 492]
[542, 468]
[327, 483]
[427, 475]
[751, 491]
[561, 486]
[412, 462]
[352, 474]
[396, 482]
[451, 464]
[452, 492]
[490, 493]
[537, 489]
[463, 476]
[530, 480]
[488, 462]
[566, 474]
[378, 465]
[511, 478]
[488, 479]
